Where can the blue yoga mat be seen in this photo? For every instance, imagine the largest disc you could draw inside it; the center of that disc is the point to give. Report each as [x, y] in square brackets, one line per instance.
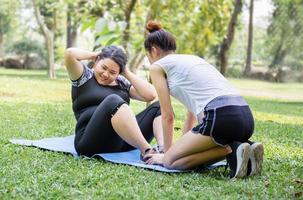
[66, 145]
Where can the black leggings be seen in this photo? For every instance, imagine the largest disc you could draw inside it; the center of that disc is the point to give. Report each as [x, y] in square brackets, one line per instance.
[99, 136]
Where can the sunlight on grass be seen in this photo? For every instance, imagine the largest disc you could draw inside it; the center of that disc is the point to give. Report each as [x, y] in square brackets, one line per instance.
[287, 91]
[34, 90]
[264, 116]
[34, 107]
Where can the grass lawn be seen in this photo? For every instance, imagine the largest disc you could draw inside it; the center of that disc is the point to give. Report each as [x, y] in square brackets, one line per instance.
[34, 107]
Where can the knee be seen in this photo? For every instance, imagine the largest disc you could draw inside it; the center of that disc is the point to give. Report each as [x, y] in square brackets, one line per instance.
[111, 103]
[156, 106]
[175, 163]
[112, 99]
[168, 163]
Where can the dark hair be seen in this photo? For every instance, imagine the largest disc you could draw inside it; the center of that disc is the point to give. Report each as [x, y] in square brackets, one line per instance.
[159, 37]
[116, 54]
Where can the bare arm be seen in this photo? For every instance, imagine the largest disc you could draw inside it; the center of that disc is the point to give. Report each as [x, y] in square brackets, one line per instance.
[189, 122]
[140, 89]
[72, 58]
[160, 83]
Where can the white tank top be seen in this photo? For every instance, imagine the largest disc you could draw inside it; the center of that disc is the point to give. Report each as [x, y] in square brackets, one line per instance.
[193, 81]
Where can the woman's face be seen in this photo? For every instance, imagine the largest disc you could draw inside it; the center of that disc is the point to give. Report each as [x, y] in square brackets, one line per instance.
[106, 71]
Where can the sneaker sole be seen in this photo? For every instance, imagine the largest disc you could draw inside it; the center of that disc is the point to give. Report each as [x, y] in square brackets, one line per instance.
[256, 157]
[243, 154]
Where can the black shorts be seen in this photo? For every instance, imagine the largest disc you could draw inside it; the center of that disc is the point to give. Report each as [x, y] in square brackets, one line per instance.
[227, 124]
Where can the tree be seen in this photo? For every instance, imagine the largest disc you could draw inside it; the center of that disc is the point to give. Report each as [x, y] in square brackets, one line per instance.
[129, 7]
[205, 21]
[71, 27]
[111, 22]
[285, 39]
[198, 26]
[250, 39]
[7, 12]
[75, 10]
[48, 34]
[228, 39]
[138, 53]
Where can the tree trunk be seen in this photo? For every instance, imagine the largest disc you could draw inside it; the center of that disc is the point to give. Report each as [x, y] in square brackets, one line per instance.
[279, 56]
[71, 29]
[138, 56]
[51, 57]
[127, 14]
[250, 39]
[133, 61]
[49, 40]
[138, 61]
[228, 39]
[1, 46]
[280, 51]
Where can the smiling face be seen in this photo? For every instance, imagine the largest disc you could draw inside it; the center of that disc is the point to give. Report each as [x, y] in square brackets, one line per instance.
[106, 71]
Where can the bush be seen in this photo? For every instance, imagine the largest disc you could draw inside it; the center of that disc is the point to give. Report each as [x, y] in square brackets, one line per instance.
[234, 72]
[26, 47]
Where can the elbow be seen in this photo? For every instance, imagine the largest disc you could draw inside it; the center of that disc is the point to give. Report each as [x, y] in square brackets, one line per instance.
[69, 57]
[151, 97]
[168, 118]
[68, 52]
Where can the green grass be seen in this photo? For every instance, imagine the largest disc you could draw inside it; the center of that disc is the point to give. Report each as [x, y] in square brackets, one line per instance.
[34, 107]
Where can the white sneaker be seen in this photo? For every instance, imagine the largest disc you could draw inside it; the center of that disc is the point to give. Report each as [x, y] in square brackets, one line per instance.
[256, 158]
[238, 160]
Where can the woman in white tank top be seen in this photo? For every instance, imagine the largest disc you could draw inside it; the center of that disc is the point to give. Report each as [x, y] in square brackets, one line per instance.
[225, 122]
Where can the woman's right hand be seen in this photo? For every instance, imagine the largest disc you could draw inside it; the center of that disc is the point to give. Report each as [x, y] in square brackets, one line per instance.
[154, 159]
[73, 57]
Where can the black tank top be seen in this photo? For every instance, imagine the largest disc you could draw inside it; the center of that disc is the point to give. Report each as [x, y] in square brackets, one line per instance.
[88, 96]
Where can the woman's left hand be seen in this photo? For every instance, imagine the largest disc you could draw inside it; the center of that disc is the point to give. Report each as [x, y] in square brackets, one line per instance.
[125, 72]
[153, 159]
[140, 89]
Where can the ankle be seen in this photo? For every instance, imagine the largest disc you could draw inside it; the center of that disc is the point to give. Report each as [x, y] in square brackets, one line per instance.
[145, 150]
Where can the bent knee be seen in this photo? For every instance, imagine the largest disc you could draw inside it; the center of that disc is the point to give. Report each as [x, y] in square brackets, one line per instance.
[111, 104]
[174, 165]
[156, 108]
[156, 104]
[112, 98]
[168, 163]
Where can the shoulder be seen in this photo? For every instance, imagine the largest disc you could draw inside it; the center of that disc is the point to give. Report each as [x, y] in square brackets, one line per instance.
[168, 62]
[157, 69]
[86, 75]
[123, 82]
[166, 59]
